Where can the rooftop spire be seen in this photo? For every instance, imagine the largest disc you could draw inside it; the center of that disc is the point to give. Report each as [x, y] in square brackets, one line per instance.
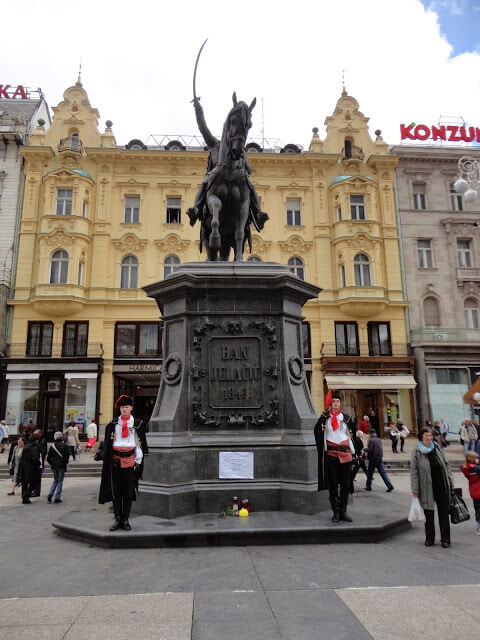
[344, 91]
[79, 80]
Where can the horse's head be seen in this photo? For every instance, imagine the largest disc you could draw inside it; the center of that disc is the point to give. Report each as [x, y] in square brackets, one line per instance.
[239, 121]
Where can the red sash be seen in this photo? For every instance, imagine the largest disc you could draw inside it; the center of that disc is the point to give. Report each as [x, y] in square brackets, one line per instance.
[339, 450]
[126, 455]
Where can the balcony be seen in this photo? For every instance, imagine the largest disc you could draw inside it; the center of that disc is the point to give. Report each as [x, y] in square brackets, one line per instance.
[439, 334]
[55, 350]
[468, 274]
[352, 152]
[72, 143]
[363, 350]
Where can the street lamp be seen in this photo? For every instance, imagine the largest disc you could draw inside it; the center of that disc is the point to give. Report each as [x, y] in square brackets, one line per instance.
[468, 183]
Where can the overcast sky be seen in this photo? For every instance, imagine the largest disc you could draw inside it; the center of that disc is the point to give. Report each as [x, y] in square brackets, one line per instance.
[138, 59]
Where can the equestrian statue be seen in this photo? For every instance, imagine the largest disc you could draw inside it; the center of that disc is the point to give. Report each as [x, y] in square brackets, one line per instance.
[226, 203]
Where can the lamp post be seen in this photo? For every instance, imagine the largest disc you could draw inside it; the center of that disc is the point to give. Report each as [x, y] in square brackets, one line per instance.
[468, 183]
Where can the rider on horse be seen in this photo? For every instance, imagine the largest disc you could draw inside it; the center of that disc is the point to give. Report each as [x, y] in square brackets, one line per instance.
[256, 216]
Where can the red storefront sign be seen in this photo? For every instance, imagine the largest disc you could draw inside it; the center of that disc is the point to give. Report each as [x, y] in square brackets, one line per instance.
[9, 92]
[449, 133]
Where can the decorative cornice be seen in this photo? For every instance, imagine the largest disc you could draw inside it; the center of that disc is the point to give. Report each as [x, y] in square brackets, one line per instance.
[129, 242]
[295, 244]
[259, 245]
[172, 244]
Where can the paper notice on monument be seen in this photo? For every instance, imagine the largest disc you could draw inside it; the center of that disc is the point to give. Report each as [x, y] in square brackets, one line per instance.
[235, 464]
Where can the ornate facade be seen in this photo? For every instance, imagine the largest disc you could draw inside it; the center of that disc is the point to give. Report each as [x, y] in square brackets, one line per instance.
[101, 221]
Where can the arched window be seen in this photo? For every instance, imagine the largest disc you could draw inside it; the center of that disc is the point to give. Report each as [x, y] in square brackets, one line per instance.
[361, 265]
[129, 273]
[431, 312]
[297, 267]
[470, 309]
[59, 267]
[254, 259]
[348, 148]
[169, 265]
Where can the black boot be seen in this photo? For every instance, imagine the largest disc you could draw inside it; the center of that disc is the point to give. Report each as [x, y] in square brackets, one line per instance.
[343, 506]
[335, 502]
[127, 505]
[345, 517]
[117, 509]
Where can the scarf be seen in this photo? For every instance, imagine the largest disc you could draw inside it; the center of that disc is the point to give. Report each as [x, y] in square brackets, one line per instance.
[425, 449]
[124, 427]
[333, 416]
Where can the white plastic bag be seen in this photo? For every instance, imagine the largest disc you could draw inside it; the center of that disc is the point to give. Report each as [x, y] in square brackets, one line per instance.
[416, 513]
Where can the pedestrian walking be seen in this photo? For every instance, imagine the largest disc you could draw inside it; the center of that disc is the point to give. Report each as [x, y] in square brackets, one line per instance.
[373, 419]
[403, 434]
[42, 443]
[432, 483]
[468, 436]
[14, 458]
[72, 438]
[471, 470]
[125, 446]
[364, 425]
[375, 461]
[359, 462]
[4, 435]
[334, 436]
[437, 434]
[394, 435]
[444, 429]
[92, 432]
[57, 458]
[30, 467]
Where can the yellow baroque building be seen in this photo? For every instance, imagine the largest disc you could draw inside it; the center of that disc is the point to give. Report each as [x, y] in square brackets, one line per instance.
[100, 221]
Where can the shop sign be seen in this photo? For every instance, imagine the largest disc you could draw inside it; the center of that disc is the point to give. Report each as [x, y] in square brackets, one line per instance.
[9, 92]
[448, 133]
[145, 368]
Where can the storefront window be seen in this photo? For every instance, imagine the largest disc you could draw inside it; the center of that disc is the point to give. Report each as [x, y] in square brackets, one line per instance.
[22, 403]
[80, 400]
[447, 387]
[126, 339]
[148, 344]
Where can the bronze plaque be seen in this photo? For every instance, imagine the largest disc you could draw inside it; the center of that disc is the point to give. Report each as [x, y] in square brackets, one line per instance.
[235, 373]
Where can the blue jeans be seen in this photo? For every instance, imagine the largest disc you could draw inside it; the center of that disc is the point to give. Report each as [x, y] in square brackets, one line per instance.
[469, 445]
[58, 476]
[372, 465]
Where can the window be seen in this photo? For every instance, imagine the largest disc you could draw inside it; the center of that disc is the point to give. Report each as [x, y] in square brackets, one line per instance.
[297, 267]
[471, 314]
[174, 210]
[294, 212]
[357, 207]
[431, 312]
[361, 266]
[138, 339]
[348, 148]
[254, 259]
[75, 339]
[339, 214]
[342, 277]
[84, 209]
[464, 253]
[306, 340]
[39, 338]
[64, 202]
[129, 273]
[456, 200]
[346, 339]
[379, 339]
[419, 200]
[80, 274]
[169, 265]
[425, 254]
[59, 267]
[132, 209]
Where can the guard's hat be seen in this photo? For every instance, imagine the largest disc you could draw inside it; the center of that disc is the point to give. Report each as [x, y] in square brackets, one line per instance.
[122, 401]
[331, 395]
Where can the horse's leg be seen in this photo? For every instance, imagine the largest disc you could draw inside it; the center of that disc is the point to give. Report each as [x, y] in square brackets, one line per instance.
[225, 252]
[215, 206]
[240, 226]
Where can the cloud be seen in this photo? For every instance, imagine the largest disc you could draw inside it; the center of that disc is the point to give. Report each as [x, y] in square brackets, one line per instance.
[137, 62]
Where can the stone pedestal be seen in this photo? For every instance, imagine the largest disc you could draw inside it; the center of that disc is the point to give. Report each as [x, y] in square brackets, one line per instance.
[233, 380]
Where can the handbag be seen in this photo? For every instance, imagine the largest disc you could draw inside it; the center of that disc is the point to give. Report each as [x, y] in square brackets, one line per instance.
[458, 509]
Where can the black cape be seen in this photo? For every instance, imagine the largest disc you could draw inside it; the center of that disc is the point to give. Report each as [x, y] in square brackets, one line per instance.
[319, 432]
[106, 483]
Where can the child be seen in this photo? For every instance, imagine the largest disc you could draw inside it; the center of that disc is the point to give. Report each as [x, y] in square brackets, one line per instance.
[471, 470]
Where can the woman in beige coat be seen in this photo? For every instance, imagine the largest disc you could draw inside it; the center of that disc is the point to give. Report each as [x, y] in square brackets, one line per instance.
[72, 438]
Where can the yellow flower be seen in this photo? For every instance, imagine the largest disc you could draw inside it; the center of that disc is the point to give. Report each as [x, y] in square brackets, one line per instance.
[243, 512]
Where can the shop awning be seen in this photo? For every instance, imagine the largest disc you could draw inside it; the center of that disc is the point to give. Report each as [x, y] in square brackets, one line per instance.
[22, 376]
[475, 388]
[81, 374]
[371, 382]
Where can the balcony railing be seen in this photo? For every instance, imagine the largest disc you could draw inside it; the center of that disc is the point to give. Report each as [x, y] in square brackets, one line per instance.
[445, 335]
[353, 152]
[73, 143]
[361, 350]
[56, 350]
[468, 273]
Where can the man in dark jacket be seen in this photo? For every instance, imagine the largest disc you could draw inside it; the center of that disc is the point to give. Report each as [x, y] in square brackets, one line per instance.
[57, 458]
[125, 446]
[30, 467]
[42, 443]
[375, 461]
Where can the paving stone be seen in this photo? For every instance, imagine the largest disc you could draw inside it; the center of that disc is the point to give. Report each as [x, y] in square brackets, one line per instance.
[37, 632]
[233, 604]
[40, 611]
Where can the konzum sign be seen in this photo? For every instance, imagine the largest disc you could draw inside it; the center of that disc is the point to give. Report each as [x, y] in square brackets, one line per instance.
[7, 91]
[449, 133]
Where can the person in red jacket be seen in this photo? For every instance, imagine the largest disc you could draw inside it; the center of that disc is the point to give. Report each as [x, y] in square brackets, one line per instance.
[471, 470]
